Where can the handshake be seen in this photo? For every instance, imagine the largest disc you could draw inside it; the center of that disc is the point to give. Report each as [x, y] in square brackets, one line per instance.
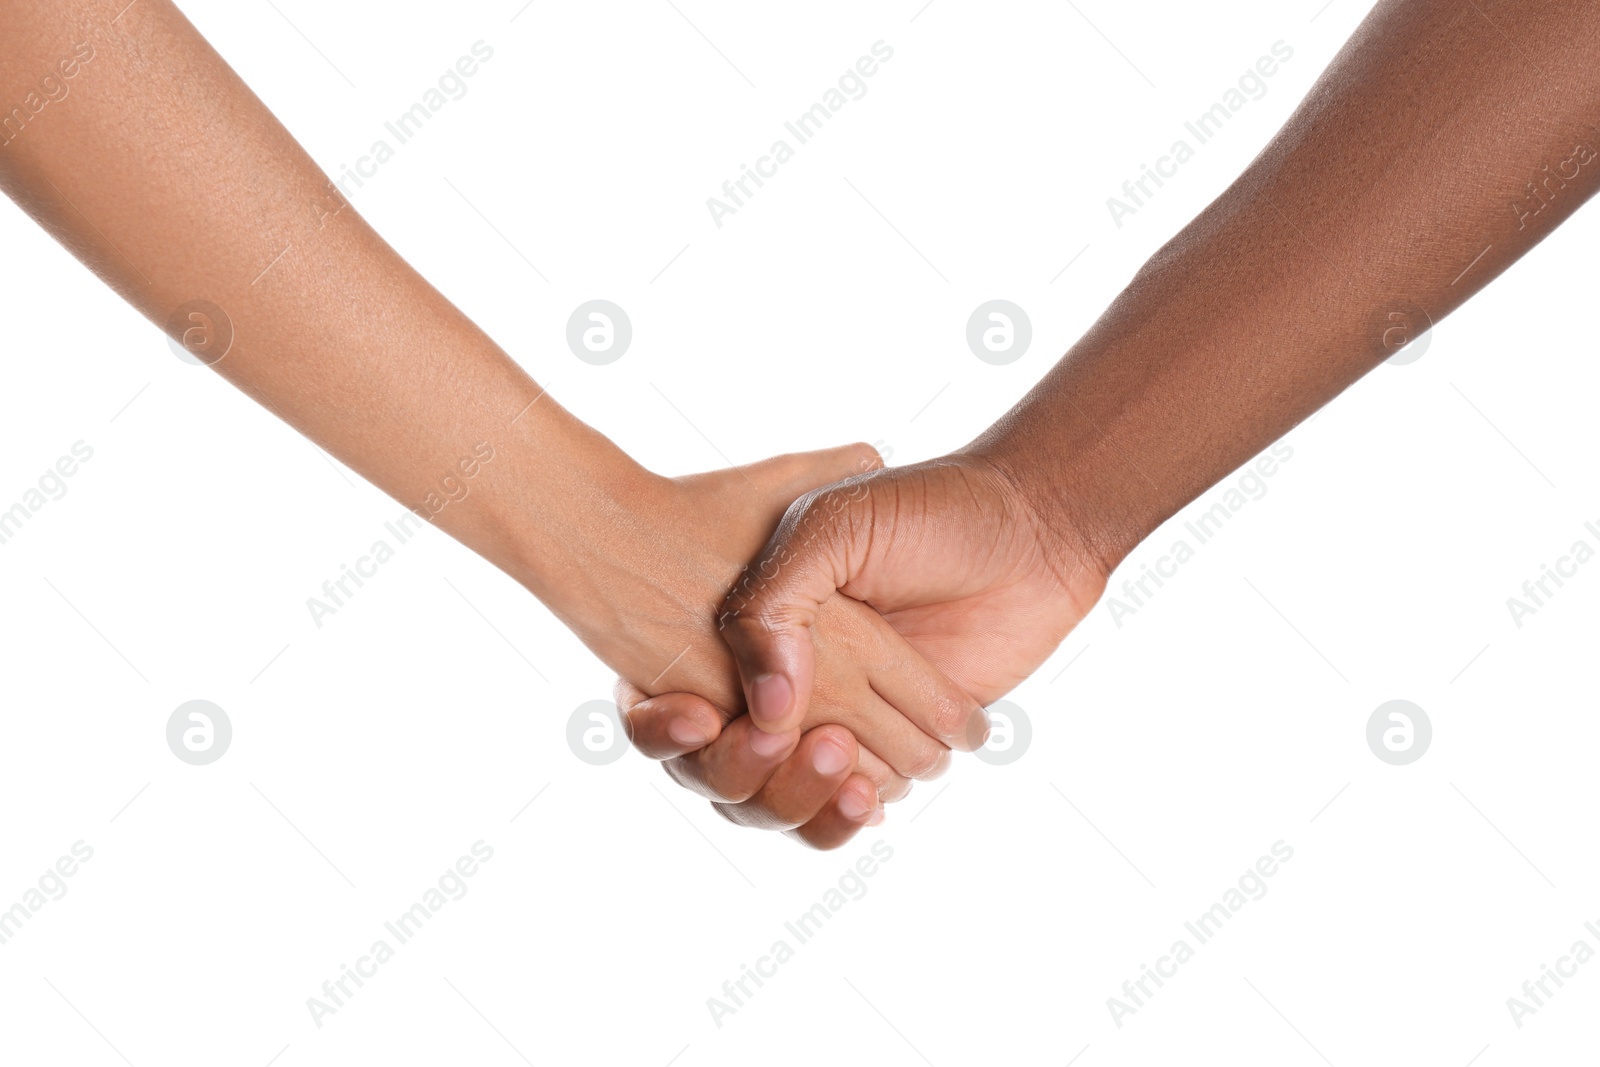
[873, 613]
[800, 638]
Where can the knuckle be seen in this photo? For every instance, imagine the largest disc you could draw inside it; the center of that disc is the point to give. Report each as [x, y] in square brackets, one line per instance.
[682, 771]
[895, 788]
[696, 773]
[742, 621]
[727, 790]
[751, 814]
[784, 809]
[730, 812]
[834, 734]
[820, 518]
[811, 837]
[929, 762]
[878, 774]
[932, 765]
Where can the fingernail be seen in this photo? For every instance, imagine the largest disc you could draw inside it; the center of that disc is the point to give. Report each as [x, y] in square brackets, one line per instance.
[769, 697]
[768, 745]
[686, 733]
[852, 807]
[877, 817]
[829, 759]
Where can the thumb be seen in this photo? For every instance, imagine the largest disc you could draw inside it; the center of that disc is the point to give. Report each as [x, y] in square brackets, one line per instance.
[768, 617]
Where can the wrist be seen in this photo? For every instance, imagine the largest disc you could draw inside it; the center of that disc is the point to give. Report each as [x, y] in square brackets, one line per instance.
[1081, 506]
[1127, 428]
[569, 491]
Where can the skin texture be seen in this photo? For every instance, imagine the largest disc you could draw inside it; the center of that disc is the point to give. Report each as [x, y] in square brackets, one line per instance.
[1446, 139]
[170, 180]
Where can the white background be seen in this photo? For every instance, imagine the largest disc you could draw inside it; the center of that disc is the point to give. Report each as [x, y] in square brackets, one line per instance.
[1174, 751]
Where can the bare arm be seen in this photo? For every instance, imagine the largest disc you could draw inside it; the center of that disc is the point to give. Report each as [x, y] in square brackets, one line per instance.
[163, 172]
[1446, 139]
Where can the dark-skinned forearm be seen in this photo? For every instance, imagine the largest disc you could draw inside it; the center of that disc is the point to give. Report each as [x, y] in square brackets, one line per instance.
[1446, 139]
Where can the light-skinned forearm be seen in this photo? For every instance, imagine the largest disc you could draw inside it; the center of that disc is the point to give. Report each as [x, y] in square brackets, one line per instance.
[165, 174]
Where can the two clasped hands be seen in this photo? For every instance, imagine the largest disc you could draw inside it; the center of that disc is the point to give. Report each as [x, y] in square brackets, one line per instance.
[801, 637]
[866, 636]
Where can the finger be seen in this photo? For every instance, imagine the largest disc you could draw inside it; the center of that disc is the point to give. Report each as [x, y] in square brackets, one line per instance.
[805, 782]
[832, 827]
[893, 737]
[722, 772]
[922, 694]
[737, 764]
[877, 685]
[668, 725]
[768, 617]
[891, 786]
[676, 724]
